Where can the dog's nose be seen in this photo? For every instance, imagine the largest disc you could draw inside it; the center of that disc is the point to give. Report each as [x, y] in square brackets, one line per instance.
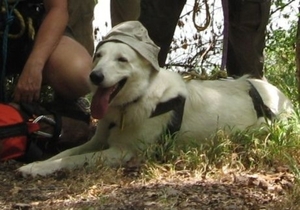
[96, 77]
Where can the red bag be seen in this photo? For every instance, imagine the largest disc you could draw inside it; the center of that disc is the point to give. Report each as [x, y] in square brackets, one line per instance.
[31, 131]
[14, 132]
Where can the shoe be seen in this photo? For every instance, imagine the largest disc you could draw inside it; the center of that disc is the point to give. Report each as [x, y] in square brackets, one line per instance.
[84, 105]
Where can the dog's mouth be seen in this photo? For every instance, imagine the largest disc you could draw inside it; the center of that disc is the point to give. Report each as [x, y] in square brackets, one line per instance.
[102, 98]
[117, 89]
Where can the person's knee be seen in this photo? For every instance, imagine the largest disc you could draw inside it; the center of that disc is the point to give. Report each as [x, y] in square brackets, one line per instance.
[69, 76]
[77, 78]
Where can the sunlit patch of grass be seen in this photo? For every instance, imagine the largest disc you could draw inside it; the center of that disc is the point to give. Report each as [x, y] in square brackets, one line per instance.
[274, 144]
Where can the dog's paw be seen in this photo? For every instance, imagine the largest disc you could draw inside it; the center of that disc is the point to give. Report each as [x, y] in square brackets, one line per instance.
[43, 168]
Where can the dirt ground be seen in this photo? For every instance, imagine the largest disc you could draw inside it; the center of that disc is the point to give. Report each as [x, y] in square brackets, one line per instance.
[125, 189]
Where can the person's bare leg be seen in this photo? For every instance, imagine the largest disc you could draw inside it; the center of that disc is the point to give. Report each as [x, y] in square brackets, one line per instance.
[67, 70]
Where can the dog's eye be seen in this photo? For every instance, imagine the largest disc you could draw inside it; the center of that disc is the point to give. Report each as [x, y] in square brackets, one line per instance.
[122, 59]
[97, 55]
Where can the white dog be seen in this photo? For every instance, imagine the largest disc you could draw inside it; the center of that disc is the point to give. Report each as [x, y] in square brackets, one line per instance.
[137, 102]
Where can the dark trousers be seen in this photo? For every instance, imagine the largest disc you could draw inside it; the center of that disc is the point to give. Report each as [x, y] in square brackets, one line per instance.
[246, 36]
[160, 17]
[246, 31]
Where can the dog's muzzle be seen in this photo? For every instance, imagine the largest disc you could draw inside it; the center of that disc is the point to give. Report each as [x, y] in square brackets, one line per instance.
[96, 77]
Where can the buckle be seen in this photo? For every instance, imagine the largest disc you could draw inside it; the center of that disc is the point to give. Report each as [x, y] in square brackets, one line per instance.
[50, 121]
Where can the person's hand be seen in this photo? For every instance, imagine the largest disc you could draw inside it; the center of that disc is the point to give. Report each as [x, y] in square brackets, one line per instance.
[29, 84]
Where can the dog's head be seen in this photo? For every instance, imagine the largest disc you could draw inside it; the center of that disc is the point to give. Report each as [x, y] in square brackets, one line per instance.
[123, 64]
[120, 76]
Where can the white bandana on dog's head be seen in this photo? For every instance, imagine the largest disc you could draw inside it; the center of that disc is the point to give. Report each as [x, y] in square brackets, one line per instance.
[134, 34]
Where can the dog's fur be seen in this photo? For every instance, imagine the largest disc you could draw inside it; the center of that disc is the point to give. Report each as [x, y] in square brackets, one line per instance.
[209, 106]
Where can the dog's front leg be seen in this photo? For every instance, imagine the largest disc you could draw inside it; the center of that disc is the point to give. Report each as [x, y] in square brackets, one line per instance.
[47, 167]
[97, 143]
[110, 157]
[53, 164]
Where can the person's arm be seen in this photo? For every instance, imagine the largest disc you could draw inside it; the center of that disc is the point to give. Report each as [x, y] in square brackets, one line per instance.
[48, 37]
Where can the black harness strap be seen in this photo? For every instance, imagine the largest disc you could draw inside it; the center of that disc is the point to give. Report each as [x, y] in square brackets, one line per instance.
[261, 109]
[19, 129]
[177, 106]
[58, 126]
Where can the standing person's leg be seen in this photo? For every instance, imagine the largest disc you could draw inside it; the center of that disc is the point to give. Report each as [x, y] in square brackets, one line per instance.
[160, 17]
[124, 10]
[246, 42]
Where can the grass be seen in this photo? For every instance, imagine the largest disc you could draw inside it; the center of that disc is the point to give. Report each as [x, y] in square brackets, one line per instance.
[275, 143]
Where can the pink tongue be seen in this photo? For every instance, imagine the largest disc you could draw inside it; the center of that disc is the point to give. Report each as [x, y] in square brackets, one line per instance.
[100, 100]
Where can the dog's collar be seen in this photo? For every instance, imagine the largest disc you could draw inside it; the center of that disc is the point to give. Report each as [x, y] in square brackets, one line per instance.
[123, 107]
[177, 106]
[262, 110]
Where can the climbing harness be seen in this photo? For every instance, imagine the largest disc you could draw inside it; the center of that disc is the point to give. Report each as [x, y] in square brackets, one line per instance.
[9, 18]
[19, 21]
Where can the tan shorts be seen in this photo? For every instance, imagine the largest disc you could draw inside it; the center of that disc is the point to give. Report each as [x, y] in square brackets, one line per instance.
[80, 26]
[124, 10]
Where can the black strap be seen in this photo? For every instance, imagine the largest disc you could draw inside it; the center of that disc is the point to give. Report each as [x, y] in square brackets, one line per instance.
[18, 129]
[31, 109]
[177, 106]
[261, 109]
[58, 126]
